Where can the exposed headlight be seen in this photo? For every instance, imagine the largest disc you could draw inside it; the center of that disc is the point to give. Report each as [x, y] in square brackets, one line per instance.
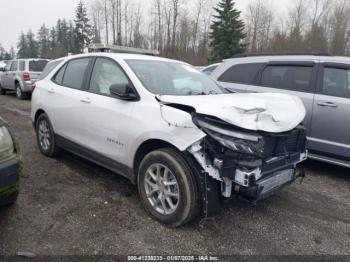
[6, 145]
[238, 145]
[236, 141]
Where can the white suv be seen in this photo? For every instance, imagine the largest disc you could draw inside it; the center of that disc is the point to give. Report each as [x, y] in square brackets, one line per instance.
[171, 130]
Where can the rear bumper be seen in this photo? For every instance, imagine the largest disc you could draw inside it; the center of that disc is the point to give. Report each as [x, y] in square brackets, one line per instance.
[9, 178]
[28, 86]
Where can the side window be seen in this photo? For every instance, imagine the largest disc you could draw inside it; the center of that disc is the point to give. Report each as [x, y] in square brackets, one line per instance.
[8, 66]
[295, 78]
[74, 73]
[105, 74]
[336, 82]
[14, 66]
[58, 78]
[241, 73]
[48, 69]
[21, 65]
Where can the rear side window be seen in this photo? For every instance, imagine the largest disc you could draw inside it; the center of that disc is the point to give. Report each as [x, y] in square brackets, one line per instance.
[336, 82]
[295, 78]
[241, 73]
[59, 75]
[14, 66]
[21, 65]
[8, 66]
[37, 65]
[74, 73]
[48, 68]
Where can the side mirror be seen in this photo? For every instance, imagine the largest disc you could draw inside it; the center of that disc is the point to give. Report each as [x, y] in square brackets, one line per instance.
[2, 69]
[123, 92]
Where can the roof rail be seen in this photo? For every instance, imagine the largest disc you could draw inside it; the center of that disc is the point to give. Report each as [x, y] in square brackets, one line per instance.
[282, 54]
[97, 47]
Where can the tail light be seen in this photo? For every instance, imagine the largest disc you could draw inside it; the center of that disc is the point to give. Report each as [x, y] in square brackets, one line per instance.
[26, 76]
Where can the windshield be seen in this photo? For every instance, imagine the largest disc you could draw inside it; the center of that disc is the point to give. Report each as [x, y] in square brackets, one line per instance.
[171, 78]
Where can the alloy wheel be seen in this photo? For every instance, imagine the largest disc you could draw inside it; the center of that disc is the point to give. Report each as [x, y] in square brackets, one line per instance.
[44, 135]
[162, 189]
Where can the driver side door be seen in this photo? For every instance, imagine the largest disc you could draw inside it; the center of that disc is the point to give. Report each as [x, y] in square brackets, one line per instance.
[107, 118]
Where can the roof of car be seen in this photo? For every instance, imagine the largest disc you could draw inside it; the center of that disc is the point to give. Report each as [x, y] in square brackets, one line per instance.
[123, 56]
[316, 58]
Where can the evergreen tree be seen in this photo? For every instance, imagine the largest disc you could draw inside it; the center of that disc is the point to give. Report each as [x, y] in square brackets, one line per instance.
[227, 32]
[52, 38]
[32, 51]
[83, 30]
[22, 46]
[2, 53]
[43, 41]
[12, 54]
[71, 38]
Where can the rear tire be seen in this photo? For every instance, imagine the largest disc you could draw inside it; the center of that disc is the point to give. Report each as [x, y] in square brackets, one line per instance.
[46, 137]
[19, 93]
[167, 187]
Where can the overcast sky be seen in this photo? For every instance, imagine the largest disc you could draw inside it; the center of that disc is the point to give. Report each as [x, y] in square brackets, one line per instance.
[22, 15]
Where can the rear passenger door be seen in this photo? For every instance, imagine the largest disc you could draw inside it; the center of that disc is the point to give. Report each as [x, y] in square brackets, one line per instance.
[237, 77]
[330, 124]
[294, 78]
[66, 99]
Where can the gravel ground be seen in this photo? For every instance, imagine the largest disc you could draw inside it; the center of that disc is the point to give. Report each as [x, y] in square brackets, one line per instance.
[68, 206]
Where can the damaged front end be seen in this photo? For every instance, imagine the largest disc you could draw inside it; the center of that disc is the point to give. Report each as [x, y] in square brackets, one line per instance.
[251, 164]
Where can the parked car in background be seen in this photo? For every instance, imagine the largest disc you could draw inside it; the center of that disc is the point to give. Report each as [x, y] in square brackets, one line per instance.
[209, 69]
[9, 167]
[20, 76]
[320, 80]
[2, 67]
[158, 122]
[3, 63]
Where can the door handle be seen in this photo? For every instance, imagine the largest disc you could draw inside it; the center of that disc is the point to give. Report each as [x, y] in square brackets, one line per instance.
[51, 91]
[327, 104]
[86, 100]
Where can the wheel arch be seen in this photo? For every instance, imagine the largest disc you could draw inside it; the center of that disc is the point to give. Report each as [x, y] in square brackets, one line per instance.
[37, 114]
[147, 147]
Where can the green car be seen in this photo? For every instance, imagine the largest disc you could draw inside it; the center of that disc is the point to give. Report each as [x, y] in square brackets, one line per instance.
[9, 167]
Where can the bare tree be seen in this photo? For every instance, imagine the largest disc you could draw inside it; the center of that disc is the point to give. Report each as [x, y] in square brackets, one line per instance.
[259, 23]
[340, 28]
[106, 20]
[175, 7]
[113, 19]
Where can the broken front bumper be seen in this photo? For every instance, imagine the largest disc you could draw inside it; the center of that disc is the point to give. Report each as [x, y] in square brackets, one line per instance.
[251, 164]
[268, 185]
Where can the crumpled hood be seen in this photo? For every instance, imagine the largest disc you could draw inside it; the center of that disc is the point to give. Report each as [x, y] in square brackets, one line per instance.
[270, 112]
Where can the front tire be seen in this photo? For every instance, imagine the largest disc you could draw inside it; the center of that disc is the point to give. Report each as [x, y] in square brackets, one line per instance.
[167, 187]
[46, 136]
